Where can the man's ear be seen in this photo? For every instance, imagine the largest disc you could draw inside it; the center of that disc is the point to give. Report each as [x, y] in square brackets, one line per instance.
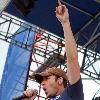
[60, 80]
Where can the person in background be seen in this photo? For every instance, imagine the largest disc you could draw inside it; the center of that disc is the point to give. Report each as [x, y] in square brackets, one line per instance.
[55, 82]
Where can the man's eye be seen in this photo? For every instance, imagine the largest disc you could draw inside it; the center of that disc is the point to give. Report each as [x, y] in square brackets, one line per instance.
[48, 78]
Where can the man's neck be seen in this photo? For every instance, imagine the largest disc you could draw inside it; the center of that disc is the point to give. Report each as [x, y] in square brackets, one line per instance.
[61, 89]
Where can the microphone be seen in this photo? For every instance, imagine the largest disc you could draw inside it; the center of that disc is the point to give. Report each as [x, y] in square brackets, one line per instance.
[20, 97]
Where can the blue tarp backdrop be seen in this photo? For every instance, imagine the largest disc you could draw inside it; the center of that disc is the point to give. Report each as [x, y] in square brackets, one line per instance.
[16, 67]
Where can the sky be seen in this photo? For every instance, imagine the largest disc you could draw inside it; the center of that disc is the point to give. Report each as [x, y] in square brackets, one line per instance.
[3, 54]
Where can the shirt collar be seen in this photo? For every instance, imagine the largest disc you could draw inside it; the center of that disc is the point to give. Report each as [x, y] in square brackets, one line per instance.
[55, 98]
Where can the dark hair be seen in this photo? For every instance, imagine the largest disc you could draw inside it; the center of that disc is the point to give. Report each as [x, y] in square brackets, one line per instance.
[64, 80]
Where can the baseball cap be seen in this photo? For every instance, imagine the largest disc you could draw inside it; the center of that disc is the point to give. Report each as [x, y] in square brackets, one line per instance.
[50, 71]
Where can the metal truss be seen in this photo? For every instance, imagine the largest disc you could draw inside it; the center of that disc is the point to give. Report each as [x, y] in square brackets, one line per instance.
[76, 8]
[90, 47]
[91, 44]
[48, 49]
[4, 4]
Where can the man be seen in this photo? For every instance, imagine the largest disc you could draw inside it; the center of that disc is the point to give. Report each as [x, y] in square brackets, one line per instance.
[56, 84]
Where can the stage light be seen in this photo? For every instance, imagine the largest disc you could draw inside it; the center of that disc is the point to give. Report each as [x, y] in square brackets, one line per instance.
[24, 6]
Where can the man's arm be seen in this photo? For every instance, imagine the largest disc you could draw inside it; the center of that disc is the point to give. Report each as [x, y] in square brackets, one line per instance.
[73, 71]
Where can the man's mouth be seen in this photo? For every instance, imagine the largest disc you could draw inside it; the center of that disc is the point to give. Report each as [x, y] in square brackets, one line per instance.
[45, 91]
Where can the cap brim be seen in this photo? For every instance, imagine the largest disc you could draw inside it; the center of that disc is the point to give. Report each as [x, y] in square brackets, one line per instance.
[39, 76]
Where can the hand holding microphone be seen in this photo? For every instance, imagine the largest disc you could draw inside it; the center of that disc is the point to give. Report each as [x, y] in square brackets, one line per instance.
[29, 94]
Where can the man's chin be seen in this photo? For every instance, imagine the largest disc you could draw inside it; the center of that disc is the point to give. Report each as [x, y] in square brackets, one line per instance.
[49, 96]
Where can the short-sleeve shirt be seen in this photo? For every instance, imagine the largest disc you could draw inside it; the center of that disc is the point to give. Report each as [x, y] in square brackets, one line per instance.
[72, 92]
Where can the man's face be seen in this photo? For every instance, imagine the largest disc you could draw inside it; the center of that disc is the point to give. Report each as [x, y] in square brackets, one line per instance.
[50, 86]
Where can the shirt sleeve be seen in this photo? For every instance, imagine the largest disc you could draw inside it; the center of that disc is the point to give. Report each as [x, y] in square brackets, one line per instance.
[75, 91]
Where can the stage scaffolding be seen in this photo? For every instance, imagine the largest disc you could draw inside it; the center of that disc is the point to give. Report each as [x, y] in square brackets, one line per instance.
[48, 49]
